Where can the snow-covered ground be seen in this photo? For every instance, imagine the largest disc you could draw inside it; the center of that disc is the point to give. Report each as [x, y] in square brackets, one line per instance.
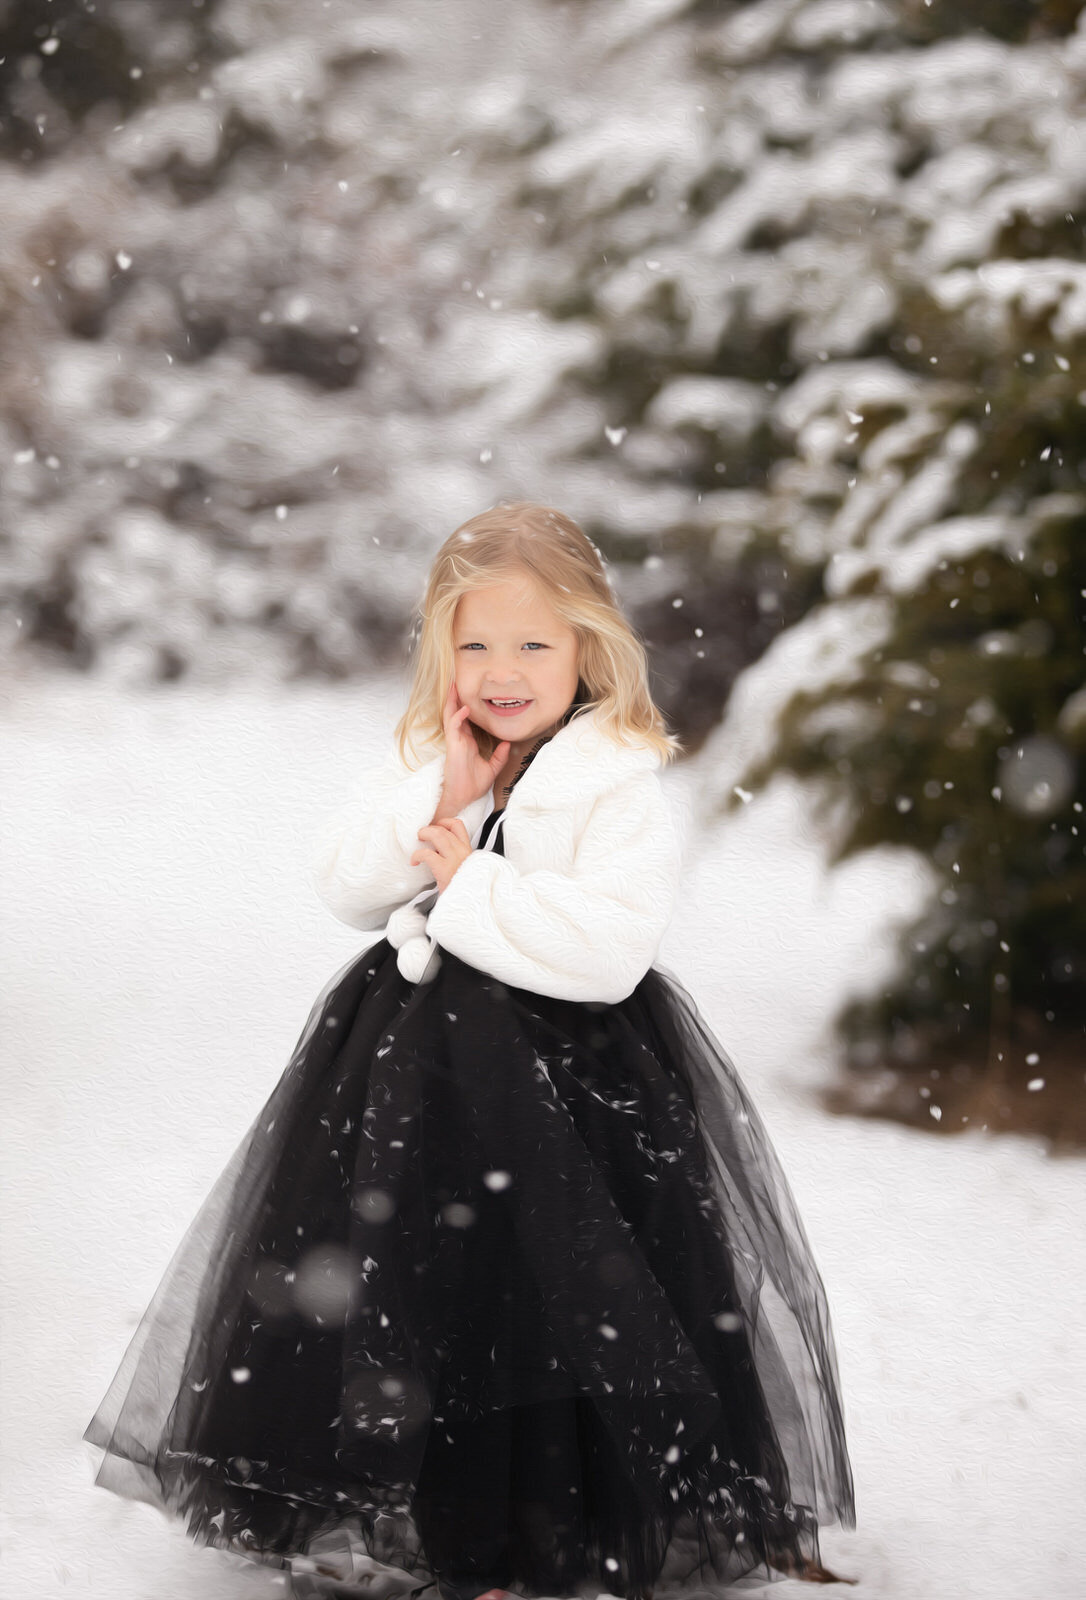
[161, 947]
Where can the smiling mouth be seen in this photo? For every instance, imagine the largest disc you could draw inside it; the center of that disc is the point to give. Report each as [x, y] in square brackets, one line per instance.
[508, 705]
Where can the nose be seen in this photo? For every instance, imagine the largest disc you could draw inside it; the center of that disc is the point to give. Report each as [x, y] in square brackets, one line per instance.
[507, 679]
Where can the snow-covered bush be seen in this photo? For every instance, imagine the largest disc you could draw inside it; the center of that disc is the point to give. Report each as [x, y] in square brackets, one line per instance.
[727, 281]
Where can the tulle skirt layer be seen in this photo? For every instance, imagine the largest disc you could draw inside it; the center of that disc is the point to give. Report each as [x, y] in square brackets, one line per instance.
[500, 1287]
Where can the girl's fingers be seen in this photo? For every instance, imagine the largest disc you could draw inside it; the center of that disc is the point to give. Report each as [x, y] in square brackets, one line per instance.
[455, 719]
[442, 827]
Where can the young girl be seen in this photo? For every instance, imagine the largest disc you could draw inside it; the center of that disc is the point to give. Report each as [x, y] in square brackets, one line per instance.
[505, 1286]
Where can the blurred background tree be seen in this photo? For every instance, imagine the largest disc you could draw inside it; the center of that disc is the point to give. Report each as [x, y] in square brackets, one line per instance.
[784, 300]
[71, 68]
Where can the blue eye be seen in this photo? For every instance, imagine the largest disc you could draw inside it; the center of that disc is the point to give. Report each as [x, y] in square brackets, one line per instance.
[532, 644]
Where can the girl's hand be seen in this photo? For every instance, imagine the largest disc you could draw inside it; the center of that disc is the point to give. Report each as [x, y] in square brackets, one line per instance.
[447, 846]
[467, 776]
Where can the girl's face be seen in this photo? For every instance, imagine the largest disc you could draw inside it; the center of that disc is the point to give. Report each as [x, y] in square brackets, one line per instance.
[509, 644]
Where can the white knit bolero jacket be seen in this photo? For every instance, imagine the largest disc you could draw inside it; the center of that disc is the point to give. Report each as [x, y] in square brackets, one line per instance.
[576, 907]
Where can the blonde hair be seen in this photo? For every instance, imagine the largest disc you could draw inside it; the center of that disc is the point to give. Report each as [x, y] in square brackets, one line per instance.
[518, 537]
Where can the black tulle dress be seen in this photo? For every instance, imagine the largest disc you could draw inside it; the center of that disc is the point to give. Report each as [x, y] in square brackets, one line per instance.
[510, 1290]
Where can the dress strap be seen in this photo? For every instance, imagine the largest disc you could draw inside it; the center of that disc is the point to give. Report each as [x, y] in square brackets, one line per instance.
[492, 825]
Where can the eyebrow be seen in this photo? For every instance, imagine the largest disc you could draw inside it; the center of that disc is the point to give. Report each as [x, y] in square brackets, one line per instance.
[460, 632]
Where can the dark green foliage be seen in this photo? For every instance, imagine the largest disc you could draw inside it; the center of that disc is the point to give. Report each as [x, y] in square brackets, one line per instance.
[1013, 20]
[964, 739]
[62, 59]
[700, 640]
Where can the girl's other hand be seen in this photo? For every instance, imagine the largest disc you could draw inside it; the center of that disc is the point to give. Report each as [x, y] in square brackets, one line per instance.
[467, 776]
[447, 845]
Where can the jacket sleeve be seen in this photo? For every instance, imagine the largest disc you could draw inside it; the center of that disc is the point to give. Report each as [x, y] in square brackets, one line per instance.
[361, 863]
[588, 934]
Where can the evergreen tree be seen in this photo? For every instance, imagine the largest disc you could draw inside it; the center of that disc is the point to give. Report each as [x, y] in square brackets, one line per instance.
[960, 732]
